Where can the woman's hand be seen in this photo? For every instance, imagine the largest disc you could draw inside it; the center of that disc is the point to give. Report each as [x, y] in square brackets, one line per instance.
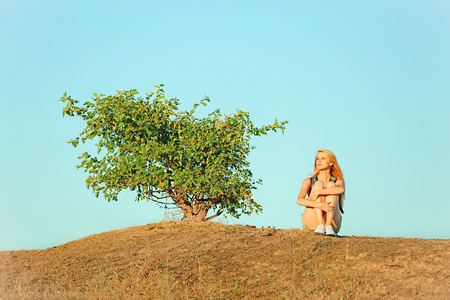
[326, 207]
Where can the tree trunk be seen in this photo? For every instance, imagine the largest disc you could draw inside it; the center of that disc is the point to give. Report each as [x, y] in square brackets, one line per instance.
[198, 217]
[194, 214]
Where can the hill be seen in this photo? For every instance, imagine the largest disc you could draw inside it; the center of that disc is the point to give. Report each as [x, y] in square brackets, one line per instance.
[179, 260]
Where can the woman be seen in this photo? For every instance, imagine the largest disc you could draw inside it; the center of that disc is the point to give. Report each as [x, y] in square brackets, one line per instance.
[325, 190]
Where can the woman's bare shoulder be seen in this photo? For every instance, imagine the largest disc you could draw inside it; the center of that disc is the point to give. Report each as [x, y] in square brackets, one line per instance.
[340, 182]
[306, 182]
[308, 179]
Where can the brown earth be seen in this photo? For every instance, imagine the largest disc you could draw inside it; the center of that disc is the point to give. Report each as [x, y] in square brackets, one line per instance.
[179, 260]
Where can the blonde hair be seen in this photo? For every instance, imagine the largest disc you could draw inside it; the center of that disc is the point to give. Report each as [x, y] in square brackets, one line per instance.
[335, 170]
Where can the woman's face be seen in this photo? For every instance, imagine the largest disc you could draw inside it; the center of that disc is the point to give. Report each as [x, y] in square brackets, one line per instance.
[322, 161]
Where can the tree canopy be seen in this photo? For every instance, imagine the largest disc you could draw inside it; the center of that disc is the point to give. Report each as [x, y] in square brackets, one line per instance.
[147, 145]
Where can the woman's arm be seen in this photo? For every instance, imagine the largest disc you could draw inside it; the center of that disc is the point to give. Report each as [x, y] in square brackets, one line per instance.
[334, 190]
[301, 199]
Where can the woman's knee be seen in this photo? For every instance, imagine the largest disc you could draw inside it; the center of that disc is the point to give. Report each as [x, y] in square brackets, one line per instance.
[318, 185]
[330, 184]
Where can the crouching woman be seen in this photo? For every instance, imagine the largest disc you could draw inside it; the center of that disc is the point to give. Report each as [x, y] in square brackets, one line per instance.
[325, 191]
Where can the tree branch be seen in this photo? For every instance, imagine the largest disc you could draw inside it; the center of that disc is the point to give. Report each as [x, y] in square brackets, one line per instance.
[151, 193]
[159, 202]
[154, 198]
[218, 213]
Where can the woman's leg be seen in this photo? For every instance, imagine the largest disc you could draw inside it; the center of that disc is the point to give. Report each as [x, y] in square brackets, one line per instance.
[319, 185]
[332, 218]
[313, 217]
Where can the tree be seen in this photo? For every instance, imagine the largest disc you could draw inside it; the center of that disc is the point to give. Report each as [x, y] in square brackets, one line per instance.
[166, 155]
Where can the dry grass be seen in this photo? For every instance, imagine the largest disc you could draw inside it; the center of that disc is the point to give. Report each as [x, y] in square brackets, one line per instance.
[179, 260]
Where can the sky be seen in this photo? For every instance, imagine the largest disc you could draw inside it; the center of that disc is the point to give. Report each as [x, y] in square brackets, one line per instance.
[369, 80]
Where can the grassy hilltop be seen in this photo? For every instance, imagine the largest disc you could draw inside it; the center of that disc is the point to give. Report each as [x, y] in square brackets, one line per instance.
[179, 260]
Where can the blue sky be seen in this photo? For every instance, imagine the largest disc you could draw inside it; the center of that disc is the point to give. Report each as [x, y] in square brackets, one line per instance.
[369, 80]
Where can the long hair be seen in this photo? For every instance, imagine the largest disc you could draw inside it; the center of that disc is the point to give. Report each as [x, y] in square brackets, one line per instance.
[335, 171]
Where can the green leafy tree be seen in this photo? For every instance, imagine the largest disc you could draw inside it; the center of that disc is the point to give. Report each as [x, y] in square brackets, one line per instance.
[147, 145]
